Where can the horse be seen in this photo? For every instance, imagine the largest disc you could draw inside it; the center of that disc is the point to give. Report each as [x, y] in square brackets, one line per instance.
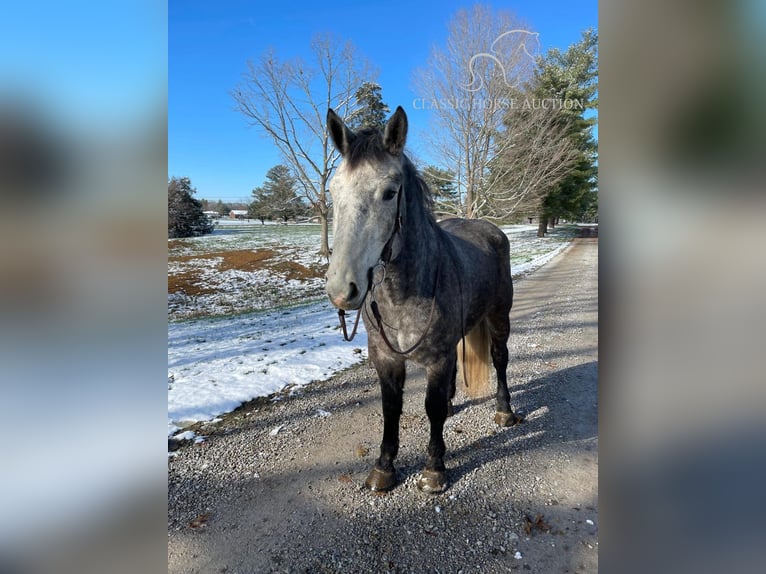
[429, 292]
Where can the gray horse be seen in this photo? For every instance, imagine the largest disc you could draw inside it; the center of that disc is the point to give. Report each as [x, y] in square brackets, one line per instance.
[422, 287]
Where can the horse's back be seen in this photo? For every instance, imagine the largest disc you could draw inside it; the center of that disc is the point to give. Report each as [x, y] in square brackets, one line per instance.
[482, 252]
[480, 234]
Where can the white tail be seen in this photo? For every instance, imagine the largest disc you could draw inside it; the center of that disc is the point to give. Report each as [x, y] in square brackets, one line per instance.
[477, 360]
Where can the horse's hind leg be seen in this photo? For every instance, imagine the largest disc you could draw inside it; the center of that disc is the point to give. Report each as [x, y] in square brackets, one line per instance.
[391, 375]
[440, 379]
[500, 329]
[450, 406]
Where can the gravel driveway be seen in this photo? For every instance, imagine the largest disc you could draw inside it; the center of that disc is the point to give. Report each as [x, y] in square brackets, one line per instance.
[277, 485]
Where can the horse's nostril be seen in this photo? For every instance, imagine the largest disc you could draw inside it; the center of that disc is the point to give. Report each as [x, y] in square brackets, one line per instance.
[353, 292]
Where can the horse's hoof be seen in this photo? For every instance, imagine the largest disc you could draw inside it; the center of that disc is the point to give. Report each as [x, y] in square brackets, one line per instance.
[450, 409]
[380, 480]
[432, 481]
[507, 419]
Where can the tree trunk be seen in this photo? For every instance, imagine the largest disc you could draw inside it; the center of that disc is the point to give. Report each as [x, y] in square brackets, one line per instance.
[553, 223]
[542, 227]
[324, 248]
[468, 212]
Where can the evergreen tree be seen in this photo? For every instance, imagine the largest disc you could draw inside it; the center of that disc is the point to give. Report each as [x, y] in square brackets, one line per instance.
[572, 76]
[441, 182]
[185, 217]
[370, 110]
[277, 197]
[260, 208]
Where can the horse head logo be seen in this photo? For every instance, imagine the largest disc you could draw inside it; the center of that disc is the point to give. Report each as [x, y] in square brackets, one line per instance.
[521, 50]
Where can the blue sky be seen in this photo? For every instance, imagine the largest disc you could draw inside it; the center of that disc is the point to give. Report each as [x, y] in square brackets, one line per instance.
[209, 44]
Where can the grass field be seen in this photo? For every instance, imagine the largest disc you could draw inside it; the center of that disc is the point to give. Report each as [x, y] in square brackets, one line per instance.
[252, 267]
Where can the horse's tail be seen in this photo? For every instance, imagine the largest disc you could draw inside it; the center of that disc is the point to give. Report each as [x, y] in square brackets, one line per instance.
[475, 369]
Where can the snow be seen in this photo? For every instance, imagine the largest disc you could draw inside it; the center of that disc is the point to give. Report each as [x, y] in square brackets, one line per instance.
[529, 252]
[216, 363]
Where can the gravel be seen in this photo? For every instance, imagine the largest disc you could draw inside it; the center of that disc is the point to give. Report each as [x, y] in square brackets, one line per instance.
[276, 486]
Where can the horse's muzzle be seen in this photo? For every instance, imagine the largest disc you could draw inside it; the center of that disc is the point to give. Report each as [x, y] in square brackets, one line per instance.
[350, 300]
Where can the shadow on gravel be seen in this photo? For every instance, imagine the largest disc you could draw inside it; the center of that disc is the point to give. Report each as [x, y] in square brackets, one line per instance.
[548, 405]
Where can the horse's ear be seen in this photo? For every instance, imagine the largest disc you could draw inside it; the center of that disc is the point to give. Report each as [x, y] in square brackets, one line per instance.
[340, 134]
[395, 134]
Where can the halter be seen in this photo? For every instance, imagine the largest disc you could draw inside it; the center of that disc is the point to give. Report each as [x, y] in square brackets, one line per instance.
[372, 283]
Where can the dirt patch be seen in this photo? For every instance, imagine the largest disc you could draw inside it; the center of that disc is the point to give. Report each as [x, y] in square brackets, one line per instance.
[189, 283]
[291, 270]
[247, 260]
[243, 259]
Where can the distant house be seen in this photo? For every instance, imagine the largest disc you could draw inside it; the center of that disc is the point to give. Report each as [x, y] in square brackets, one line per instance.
[212, 214]
[238, 214]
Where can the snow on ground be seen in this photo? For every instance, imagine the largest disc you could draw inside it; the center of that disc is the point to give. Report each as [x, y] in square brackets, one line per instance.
[528, 252]
[216, 363]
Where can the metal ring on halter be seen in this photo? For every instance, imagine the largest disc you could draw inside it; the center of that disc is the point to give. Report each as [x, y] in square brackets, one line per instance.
[381, 265]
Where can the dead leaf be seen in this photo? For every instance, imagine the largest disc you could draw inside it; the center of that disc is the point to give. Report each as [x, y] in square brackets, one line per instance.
[538, 524]
[200, 521]
[361, 451]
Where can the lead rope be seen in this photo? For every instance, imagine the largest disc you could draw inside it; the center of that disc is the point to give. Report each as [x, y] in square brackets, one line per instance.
[379, 319]
[342, 317]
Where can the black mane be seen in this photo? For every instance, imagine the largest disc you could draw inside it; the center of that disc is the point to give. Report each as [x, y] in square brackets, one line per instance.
[366, 146]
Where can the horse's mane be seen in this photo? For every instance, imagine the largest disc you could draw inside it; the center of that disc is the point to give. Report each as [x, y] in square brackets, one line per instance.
[368, 146]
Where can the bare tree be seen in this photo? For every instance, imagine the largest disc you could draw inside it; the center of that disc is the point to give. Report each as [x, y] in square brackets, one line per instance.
[467, 84]
[288, 101]
[536, 154]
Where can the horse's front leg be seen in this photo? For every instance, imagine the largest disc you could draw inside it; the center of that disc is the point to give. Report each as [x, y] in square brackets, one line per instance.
[391, 374]
[440, 378]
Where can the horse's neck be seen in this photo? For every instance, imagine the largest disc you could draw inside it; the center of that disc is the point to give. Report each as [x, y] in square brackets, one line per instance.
[414, 267]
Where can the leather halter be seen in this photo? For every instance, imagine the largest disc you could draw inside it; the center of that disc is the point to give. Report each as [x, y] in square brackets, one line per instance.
[388, 248]
[385, 258]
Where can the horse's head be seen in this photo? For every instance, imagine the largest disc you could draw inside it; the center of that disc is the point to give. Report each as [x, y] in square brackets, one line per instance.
[365, 190]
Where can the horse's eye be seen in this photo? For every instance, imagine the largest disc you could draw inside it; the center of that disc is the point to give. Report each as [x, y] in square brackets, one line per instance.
[390, 193]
